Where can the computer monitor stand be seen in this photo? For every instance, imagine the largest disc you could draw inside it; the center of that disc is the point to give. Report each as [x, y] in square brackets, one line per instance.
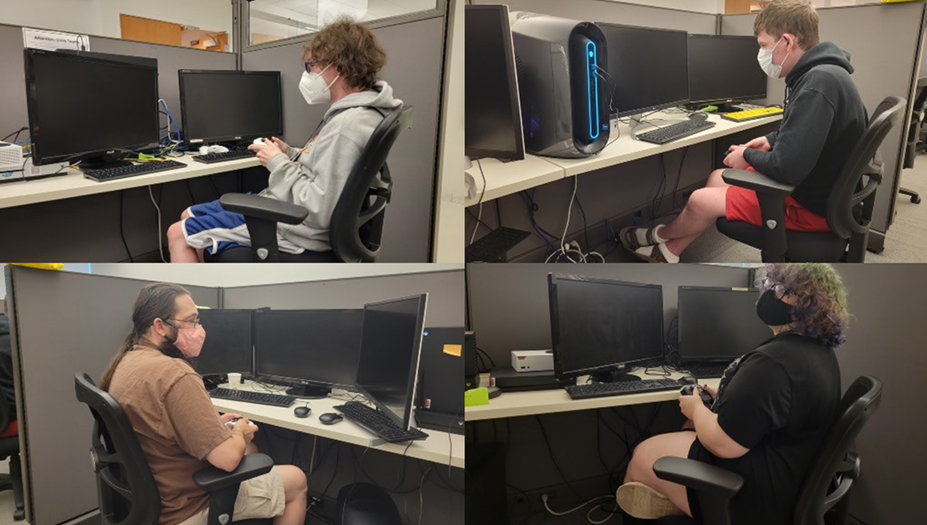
[109, 160]
[723, 107]
[309, 391]
[613, 376]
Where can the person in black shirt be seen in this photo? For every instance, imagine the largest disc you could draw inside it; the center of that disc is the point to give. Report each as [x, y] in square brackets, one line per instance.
[7, 390]
[771, 412]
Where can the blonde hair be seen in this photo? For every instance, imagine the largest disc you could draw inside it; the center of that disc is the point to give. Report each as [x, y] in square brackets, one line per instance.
[795, 17]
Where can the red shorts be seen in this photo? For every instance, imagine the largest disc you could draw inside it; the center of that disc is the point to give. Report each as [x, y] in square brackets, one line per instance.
[11, 430]
[742, 205]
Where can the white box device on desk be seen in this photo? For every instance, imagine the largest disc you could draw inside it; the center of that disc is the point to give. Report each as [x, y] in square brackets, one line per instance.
[532, 360]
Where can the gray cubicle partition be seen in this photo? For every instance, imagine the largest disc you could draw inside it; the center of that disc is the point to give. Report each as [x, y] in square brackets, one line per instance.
[415, 61]
[884, 41]
[65, 323]
[508, 304]
[445, 294]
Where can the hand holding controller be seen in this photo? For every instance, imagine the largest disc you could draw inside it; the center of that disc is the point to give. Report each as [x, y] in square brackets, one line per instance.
[689, 390]
[231, 424]
[258, 141]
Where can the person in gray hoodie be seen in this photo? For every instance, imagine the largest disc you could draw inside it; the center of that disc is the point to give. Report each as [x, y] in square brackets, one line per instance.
[824, 119]
[342, 65]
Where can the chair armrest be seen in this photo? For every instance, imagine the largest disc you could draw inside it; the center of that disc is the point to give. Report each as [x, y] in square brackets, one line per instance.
[253, 465]
[264, 208]
[701, 477]
[757, 182]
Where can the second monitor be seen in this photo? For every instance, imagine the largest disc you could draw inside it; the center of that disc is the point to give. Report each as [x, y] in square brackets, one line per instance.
[230, 106]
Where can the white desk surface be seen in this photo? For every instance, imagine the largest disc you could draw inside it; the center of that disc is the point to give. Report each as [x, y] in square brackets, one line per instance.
[75, 185]
[437, 448]
[507, 178]
[515, 404]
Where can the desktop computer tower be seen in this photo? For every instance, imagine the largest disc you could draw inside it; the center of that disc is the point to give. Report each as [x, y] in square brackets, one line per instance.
[564, 98]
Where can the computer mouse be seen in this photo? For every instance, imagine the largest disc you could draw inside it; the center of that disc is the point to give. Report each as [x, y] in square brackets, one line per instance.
[302, 412]
[330, 418]
[698, 116]
[687, 380]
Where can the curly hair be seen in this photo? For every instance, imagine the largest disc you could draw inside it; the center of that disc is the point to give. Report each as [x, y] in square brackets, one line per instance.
[351, 48]
[821, 311]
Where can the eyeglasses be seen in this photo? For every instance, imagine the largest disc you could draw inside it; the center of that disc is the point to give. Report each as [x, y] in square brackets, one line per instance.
[196, 322]
[311, 64]
[778, 289]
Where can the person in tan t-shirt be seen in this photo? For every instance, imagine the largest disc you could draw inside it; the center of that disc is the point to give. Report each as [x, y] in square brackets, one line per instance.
[178, 428]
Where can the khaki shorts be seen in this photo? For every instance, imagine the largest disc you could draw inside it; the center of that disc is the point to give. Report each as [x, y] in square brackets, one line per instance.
[258, 498]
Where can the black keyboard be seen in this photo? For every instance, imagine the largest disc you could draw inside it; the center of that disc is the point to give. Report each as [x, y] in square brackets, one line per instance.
[620, 388]
[493, 246]
[706, 370]
[378, 423]
[122, 172]
[677, 131]
[210, 158]
[261, 398]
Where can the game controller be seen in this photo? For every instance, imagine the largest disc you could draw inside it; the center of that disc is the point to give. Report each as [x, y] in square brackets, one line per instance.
[259, 141]
[232, 423]
[212, 149]
[689, 390]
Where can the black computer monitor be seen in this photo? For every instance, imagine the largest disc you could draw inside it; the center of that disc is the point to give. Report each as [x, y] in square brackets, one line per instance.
[390, 352]
[493, 111]
[647, 68]
[718, 324]
[724, 69]
[89, 109]
[312, 350]
[228, 343]
[230, 106]
[599, 326]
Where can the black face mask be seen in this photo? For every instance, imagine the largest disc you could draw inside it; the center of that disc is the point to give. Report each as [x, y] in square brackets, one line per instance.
[772, 311]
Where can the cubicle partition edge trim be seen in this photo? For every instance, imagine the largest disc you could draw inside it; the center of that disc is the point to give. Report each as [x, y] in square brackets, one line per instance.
[20, 404]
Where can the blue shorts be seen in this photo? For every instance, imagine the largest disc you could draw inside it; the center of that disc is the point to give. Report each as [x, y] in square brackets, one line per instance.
[212, 227]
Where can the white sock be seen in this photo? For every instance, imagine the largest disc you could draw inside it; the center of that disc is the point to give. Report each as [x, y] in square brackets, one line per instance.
[641, 235]
[656, 235]
[670, 257]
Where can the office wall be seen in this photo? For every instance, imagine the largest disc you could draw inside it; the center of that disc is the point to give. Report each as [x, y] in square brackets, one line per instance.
[445, 294]
[625, 13]
[883, 41]
[66, 323]
[508, 304]
[415, 63]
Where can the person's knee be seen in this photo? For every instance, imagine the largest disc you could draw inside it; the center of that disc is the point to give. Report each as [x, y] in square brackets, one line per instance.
[175, 232]
[641, 461]
[716, 178]
[185, 214]
[294, 482]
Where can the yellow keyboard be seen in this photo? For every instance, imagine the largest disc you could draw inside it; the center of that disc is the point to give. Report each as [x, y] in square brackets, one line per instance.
[752, 114]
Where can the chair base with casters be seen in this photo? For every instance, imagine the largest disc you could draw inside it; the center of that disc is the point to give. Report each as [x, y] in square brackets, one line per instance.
[9, 447]
[915, 197]
[823, 497]
[849, 205]
[366, 504]
[128, 493]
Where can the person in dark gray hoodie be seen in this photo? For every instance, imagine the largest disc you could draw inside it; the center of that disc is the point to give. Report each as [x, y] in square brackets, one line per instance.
[342, 65]
[824, 119]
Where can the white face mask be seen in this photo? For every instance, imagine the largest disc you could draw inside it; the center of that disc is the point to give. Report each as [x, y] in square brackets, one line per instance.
[765, 58]
[313, 87]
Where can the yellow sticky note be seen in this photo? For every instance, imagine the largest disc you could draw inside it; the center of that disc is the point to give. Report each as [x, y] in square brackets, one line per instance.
[454, 350]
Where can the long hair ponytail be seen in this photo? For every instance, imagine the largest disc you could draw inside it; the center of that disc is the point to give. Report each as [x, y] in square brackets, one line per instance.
[154, 301]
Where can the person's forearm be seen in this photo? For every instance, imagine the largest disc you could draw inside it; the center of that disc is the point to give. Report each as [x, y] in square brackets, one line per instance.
[240, 444]
[707, 428]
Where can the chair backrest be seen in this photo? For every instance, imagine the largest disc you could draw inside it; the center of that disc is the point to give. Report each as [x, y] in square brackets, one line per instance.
[917, 121]
[843, 217]
[127, 490]
[859, 404]
[357, 222]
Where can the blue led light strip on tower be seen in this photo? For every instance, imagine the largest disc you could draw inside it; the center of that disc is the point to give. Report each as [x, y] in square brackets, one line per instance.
[591, 65]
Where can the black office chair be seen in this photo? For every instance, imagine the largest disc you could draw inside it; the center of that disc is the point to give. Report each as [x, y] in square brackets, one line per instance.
[366, 504]
[357, 222]
[127, 490]
[849, 207]
[916, 142]
[823, 498]
[9, 448]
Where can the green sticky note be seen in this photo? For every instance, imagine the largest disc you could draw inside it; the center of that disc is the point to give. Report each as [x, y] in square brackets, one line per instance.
[476, 397]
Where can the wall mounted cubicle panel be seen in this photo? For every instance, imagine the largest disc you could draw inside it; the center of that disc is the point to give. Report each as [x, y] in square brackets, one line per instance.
[445, 291]
[508, 305]
[883, 41]
[414, 68]
[66, 323]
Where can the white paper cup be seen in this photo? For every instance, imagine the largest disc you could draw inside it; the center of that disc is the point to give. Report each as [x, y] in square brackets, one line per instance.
[234, 380]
